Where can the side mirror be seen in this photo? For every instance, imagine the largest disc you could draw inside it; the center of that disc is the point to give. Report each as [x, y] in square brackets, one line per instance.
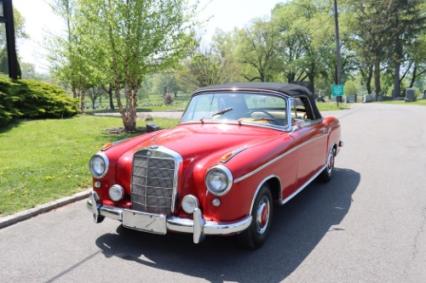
[300, 124]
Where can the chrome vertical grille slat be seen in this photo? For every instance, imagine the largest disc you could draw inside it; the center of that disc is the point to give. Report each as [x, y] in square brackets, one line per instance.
[154, 180]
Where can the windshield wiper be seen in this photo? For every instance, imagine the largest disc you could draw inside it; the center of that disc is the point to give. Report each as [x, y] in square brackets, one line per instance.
[221, 112]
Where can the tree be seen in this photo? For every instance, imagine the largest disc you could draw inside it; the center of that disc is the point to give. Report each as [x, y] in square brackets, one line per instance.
[203, 68]
[305, 51]
[140, 37]
[257, 51]
[417, 59]
[406, 22]
[69, 63]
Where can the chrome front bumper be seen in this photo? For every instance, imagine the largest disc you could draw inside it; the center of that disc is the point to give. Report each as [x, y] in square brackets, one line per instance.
[197, 226]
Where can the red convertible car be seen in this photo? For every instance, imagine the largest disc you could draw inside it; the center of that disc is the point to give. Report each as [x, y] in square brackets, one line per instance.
[238, 151]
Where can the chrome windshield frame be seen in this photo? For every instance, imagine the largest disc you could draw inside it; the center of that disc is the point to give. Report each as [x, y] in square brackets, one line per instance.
[288, 100]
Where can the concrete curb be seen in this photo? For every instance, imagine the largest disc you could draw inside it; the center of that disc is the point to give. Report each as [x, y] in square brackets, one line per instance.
[27, 214]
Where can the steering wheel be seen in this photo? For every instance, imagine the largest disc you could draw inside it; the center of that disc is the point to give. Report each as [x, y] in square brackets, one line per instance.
[264, 112]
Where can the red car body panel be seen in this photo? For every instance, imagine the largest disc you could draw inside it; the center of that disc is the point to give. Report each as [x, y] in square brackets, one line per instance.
[291, 157]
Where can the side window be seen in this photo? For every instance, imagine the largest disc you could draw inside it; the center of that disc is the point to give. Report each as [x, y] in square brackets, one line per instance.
[301, 110]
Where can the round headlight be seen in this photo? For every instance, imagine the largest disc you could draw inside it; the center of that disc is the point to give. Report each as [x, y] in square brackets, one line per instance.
[189, 204]
[116, 192]
[99, 165]
[219, 180]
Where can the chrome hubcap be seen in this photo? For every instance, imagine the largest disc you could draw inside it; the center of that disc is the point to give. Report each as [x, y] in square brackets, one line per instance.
[262, 215]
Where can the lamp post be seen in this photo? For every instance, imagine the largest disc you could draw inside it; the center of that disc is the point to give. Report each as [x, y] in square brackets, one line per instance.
[338, 56]
[6, 18]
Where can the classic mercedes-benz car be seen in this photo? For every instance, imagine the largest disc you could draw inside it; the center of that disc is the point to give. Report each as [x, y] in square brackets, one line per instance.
[239, 150]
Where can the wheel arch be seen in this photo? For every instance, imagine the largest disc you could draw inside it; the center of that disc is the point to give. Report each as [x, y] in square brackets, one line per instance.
[274, 185]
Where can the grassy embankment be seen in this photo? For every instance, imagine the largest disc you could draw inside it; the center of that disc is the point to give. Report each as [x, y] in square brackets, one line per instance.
[42, 160]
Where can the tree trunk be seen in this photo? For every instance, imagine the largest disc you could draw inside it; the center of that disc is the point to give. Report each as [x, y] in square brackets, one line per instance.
[117, 97]
[111, 99]
[397, 69]
[312, 83]
[291, 77]
[74, 92]
[369, 78]
[414, 76]
[377, 72]
[82, 97]
[93, 98]
[129, 117]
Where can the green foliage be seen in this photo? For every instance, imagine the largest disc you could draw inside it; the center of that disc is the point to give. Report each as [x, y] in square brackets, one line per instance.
[257, 51]
[125, 41]
[33, 100]
[43, 160]
[351, 88]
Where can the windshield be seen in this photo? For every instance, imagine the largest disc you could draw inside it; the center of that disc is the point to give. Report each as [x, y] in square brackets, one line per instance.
[254, 108]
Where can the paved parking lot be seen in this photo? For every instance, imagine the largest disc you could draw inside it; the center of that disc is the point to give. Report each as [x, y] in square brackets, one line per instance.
[366, 225]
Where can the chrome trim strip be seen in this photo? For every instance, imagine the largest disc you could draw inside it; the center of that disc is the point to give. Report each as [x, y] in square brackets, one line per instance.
[233, 122]
[287, 199]
[234, 153]
[260, 186]
[235, 89]
[260, 168]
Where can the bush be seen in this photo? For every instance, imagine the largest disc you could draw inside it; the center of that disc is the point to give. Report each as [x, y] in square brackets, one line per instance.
[33, 100]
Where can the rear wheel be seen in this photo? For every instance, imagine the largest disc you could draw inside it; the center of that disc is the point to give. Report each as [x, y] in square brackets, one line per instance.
[258, 231]
[328, 172]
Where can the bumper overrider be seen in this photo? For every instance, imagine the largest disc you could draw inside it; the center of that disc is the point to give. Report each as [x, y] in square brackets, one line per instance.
[161, 224]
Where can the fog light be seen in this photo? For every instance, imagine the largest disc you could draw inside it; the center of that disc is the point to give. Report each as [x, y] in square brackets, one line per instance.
[116, 192]
[189, 204]
[216, 202]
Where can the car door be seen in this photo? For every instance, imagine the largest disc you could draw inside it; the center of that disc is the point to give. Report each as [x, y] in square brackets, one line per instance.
[311, 139]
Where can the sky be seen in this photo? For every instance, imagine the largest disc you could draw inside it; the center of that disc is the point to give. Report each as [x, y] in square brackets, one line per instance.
[41, 22]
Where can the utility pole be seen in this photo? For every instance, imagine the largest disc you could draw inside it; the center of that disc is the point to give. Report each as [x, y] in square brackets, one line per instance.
[7, 19]
[338, 56]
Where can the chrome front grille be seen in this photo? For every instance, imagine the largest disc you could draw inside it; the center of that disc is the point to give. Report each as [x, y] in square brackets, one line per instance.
[154, 180]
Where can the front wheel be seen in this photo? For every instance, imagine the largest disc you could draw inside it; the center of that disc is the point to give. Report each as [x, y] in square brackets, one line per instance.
[328, 172]
[258, 231]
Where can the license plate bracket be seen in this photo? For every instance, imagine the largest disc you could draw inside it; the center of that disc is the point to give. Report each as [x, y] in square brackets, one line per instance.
[145, 222]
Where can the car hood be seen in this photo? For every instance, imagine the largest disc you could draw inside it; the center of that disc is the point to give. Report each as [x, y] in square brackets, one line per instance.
[199, 145]
[199, 140]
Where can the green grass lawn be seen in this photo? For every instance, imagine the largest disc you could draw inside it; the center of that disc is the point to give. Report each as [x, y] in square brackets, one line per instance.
[43, 160]
[421, 102]
[332, 106]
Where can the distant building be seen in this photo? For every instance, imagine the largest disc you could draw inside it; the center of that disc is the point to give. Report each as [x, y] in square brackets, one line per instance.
[8, 58]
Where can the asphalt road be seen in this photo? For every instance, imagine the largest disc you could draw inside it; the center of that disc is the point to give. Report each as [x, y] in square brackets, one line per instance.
[366, 225]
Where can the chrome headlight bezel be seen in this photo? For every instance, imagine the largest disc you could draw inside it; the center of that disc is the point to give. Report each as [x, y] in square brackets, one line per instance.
[226, 173]
[102, 156]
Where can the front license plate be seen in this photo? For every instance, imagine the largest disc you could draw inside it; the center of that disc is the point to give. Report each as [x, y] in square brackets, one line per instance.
[146, 222]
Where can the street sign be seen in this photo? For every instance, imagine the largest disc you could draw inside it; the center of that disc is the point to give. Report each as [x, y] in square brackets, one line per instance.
[337, 90]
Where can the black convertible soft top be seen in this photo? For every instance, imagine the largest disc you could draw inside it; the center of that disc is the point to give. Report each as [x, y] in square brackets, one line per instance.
[291, 90]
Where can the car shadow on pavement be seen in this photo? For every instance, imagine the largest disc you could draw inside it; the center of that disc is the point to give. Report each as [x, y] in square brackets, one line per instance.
[298, 227]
